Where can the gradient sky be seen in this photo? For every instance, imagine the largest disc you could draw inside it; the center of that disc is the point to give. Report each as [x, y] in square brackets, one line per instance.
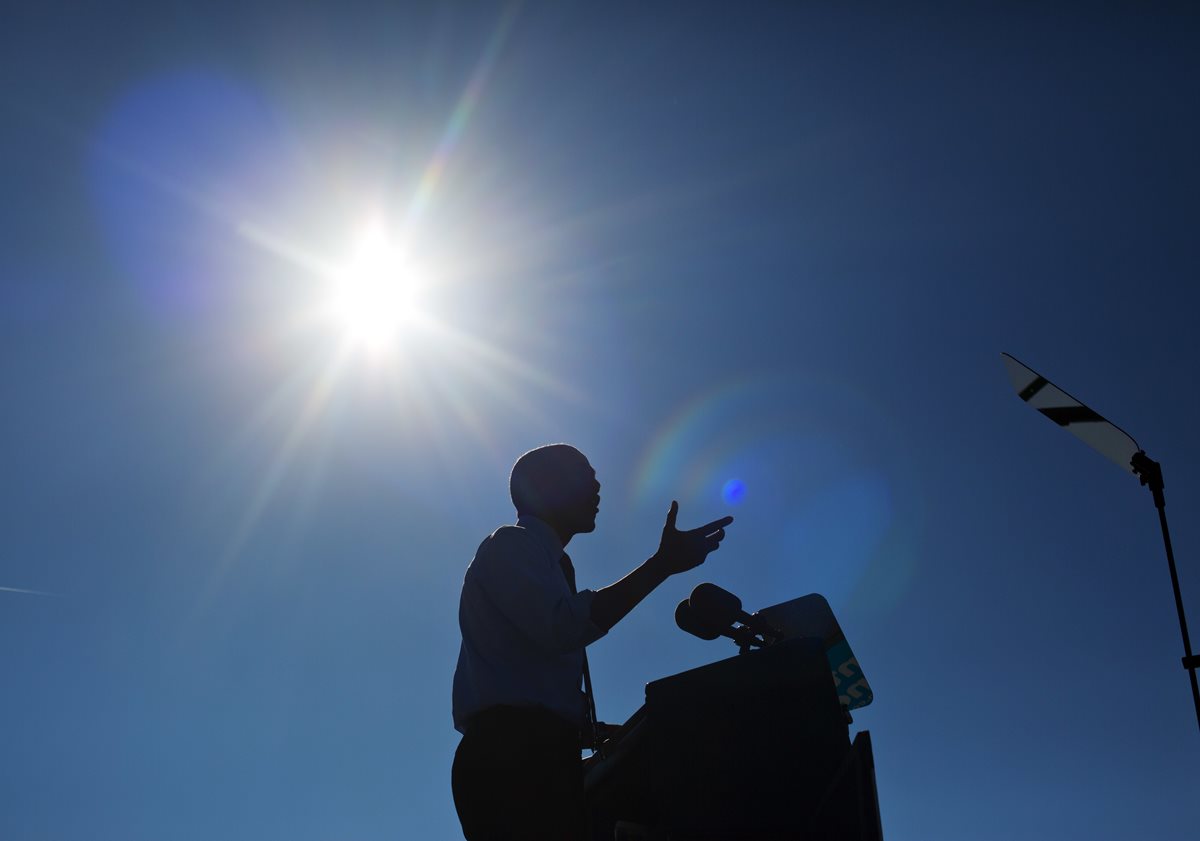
[776, 243]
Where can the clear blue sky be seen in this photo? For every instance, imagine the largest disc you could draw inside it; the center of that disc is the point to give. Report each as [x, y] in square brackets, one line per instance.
[783, 244]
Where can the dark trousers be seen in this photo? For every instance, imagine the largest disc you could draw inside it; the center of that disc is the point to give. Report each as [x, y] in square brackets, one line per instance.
[518, 775]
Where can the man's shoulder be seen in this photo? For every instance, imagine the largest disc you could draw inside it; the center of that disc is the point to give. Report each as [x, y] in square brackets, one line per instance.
[508, 532]
[506, 542]
[508, 536]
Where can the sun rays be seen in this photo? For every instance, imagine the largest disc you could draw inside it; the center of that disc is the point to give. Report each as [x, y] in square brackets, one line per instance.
[379, 307]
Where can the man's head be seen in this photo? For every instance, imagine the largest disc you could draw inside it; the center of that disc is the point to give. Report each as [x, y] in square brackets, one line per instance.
[556, 483]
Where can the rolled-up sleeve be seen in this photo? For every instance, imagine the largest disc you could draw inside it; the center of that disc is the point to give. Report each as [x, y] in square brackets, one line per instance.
[512, 572]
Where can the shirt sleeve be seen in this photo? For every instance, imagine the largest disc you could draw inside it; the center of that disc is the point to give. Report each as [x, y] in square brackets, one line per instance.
[513, 573]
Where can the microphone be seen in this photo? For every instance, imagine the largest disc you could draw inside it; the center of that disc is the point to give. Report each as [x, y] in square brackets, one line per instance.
[720, 608]
[689, 620]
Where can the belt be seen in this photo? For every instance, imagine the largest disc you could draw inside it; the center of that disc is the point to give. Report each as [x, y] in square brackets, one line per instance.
[506, 716]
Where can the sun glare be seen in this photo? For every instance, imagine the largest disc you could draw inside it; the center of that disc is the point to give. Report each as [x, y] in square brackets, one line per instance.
[375, 297]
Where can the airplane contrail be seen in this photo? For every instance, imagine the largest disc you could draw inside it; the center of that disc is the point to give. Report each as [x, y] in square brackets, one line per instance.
[29, 592]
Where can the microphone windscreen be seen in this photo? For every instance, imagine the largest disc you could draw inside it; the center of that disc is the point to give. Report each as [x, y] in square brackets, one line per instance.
[686, 619]
[715, 607]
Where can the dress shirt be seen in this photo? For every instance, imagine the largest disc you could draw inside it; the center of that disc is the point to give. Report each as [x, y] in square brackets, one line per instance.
[523, 630]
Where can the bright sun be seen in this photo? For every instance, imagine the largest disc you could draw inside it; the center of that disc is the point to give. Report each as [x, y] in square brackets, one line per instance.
[376, 295]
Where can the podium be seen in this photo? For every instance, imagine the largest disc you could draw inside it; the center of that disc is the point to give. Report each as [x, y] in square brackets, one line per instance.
[755, 746]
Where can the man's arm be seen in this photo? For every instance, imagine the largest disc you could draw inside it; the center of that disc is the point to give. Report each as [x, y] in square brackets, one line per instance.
[678, 551]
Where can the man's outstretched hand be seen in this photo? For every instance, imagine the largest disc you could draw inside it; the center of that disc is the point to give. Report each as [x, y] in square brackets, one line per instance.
[680, 551]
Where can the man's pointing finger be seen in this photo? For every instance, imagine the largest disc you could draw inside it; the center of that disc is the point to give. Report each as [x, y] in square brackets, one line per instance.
[714, 525]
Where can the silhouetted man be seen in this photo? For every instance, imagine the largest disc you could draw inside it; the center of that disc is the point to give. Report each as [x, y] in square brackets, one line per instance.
[517, 699]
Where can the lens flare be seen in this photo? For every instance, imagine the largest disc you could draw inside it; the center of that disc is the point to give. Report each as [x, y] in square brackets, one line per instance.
[733, 491]
[835, 490]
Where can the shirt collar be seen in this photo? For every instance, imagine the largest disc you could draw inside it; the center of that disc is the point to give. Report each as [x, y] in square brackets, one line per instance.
[543, 533]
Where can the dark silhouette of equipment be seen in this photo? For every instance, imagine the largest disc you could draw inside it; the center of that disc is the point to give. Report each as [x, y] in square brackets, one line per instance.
[756, 746]
[689, 620]
[720, 608]
[1115, 444]
[712, 612]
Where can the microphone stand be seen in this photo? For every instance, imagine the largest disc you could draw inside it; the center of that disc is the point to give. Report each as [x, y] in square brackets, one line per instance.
[745, 638]
[1149, 472]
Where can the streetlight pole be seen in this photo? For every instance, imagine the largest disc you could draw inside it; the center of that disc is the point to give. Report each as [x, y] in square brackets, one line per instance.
[1150, 474]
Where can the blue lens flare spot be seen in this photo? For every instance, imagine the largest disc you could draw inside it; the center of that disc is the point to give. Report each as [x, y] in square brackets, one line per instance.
[733, 491]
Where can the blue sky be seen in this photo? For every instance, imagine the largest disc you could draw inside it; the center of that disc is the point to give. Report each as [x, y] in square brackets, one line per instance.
[783, 244]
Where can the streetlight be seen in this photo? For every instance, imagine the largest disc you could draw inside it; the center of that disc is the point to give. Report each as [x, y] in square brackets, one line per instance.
[1113, 443]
